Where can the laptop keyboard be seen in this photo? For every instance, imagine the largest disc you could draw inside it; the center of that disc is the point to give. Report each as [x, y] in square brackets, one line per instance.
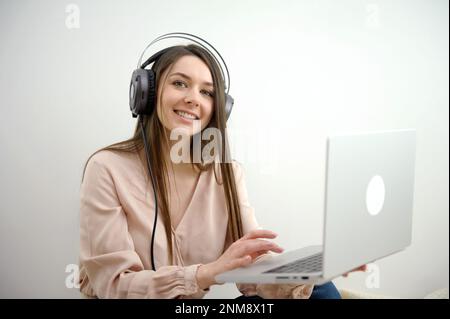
[309, 264]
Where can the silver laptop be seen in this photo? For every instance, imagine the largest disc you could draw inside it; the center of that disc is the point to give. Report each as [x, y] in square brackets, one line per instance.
[368, 211]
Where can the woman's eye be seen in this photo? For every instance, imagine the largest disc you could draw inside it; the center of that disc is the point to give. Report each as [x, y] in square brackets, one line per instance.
[182, 84]
[179, 83]
[211, 94]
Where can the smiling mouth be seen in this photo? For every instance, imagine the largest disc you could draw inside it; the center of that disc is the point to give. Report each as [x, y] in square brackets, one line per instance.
[186, 116]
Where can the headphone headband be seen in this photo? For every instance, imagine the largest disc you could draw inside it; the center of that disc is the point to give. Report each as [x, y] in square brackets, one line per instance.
[197, 40]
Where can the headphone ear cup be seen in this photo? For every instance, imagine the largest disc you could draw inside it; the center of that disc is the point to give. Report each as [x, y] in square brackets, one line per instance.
[229, 102]
[142, 92]
[151, 103]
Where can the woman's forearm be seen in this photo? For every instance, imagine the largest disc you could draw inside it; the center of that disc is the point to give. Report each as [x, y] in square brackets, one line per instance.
[205, 276]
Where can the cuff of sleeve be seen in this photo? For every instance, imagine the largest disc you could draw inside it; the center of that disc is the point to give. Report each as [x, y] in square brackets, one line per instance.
[191, 284]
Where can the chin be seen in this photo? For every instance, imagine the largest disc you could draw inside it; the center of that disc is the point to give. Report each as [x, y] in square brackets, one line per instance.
[186, 128]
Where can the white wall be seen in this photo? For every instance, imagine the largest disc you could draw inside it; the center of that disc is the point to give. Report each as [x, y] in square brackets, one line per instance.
[299, 69]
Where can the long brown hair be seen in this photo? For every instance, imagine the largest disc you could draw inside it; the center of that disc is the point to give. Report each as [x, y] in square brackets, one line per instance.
[157, 138]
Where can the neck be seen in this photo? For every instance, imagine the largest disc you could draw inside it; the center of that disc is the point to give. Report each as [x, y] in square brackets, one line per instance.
[179, 169]
[182, 168]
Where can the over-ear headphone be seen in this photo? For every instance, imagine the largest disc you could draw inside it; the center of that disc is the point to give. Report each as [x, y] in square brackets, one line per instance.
[143, 81]
[143, 101]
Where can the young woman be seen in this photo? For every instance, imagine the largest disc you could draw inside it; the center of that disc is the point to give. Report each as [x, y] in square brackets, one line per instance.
[205, 223]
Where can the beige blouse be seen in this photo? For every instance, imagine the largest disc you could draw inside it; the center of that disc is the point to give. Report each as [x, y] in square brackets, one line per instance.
[116, 220]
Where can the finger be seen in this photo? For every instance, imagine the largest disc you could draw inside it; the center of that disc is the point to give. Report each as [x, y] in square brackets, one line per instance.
[258, 254]
[361, 268]
[256, 245]
[259, 233]
[240, 262]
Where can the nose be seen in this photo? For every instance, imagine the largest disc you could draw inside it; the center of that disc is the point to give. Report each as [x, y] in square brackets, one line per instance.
[192, 99]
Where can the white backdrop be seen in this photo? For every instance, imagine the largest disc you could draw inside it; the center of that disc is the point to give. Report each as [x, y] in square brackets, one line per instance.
[299, 70]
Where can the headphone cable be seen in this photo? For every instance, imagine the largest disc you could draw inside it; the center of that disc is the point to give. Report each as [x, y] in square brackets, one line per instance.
[141, 121]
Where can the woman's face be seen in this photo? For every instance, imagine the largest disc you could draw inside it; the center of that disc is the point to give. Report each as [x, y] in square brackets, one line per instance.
[187, 95]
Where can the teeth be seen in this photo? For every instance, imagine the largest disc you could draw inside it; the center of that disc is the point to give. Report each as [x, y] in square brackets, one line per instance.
[186, 115]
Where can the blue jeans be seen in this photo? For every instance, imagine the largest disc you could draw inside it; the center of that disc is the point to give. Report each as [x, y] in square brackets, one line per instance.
[326, 291]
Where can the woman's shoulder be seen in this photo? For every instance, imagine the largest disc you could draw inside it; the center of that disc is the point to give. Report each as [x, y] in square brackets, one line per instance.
[112, 160]
[107, 157]
[237, 169]
[236, 165]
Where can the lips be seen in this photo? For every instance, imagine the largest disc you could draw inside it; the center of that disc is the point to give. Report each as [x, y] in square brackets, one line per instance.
[186, 115]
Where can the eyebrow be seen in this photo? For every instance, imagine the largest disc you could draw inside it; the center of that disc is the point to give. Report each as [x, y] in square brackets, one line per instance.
[187, 77]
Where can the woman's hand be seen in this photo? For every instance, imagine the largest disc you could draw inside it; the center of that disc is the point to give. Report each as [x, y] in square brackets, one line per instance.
[240, 254]
[360, 268]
